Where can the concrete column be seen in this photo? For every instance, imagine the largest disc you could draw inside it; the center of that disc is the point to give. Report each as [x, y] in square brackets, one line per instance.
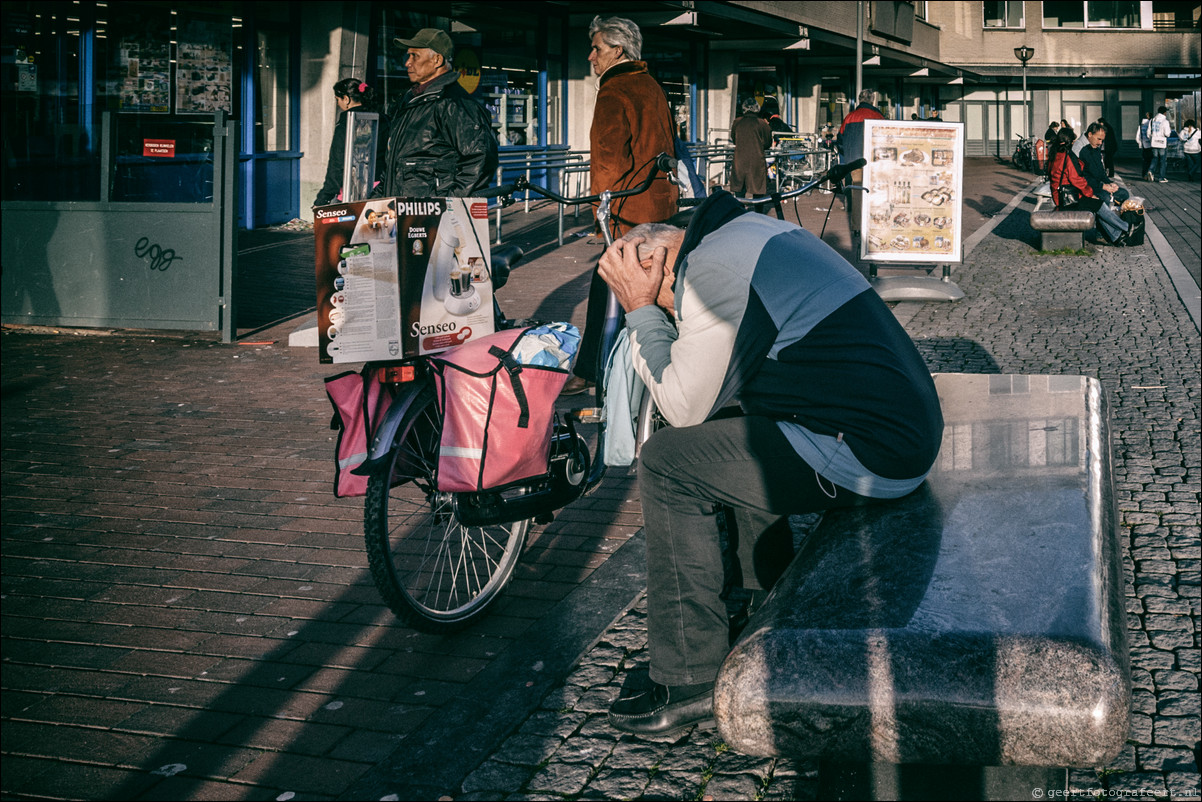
[334, 39]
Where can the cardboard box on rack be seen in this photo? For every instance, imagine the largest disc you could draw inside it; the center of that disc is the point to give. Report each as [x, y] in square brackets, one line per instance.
[401, 277]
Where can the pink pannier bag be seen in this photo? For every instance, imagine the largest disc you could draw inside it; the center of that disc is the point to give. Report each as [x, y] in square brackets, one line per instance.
[497, 414]
[359, 401]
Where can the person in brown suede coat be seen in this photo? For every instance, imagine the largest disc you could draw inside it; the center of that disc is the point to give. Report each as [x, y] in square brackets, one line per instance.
[631, 126]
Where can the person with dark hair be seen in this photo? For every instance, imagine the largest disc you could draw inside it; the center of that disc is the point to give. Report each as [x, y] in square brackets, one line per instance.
[752, 137]
[1069, 176]
[349, 93]
[1049, 135]
[1110, 146]
[770, 111]
[442, 142]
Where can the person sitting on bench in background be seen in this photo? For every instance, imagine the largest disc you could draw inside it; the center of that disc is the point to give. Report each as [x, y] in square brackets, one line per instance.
[836, 408]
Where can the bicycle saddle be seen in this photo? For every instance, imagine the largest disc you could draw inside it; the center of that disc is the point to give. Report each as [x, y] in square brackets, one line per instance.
[504, 259]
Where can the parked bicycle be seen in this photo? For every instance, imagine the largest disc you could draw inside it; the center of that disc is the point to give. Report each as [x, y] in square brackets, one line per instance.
[1024, 154]
[441, 559]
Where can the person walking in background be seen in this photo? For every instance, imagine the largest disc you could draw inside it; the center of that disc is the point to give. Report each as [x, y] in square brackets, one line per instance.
[770, 111]
[865, 110]
[752, 137]
[1159, 131]
[1192, 150]
[349, 93]
[1143, 137]
[1110, 146]
[442, 141]
[631, 126]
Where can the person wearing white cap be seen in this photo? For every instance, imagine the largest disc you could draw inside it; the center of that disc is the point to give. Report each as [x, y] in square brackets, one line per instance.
[442, 142]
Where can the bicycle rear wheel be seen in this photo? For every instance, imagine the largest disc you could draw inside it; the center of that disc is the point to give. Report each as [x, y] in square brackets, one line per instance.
[436, 574]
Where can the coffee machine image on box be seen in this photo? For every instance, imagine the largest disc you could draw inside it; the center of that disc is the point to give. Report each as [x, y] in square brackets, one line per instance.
[451, 282]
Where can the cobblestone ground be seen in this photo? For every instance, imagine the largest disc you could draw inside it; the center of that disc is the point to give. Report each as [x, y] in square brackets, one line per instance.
[1113, 315]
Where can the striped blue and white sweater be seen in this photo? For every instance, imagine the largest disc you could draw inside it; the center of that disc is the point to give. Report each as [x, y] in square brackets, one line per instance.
[770, 316]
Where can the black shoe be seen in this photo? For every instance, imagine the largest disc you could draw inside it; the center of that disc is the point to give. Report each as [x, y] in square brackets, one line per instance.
[661, 709]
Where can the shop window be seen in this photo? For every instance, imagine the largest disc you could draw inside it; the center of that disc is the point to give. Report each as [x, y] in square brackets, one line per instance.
[1004, 13]
[51, 150]
[273, 129]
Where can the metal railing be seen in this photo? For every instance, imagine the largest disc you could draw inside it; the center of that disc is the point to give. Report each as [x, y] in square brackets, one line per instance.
[547, 161]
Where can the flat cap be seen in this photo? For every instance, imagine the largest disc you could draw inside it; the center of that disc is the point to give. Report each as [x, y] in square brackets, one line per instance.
[433, 38]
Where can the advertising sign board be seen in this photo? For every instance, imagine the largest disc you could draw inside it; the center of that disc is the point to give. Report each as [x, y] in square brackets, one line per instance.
[914, 176]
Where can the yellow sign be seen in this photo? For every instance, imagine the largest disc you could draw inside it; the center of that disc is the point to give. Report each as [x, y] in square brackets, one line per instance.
[468, 65]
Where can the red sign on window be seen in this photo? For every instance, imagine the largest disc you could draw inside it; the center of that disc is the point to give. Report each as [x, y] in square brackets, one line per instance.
[159, 148]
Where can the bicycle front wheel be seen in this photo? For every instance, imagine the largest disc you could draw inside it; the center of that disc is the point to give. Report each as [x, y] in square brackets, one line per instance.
[436, 574]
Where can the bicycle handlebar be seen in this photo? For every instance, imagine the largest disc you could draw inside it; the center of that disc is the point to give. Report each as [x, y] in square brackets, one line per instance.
[835, 175]
[663, 164]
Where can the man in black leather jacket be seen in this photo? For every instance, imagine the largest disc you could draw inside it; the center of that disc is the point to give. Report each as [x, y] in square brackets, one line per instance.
[442, 143]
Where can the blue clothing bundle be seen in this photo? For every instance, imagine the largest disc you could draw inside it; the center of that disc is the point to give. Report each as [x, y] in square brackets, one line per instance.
[552, 345]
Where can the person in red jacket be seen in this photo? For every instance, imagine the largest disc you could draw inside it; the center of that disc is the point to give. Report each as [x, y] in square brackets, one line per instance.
[1067, 171]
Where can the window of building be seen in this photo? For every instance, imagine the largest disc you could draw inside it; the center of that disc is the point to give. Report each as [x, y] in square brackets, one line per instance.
[1173, 15]
[1004, 14]
[273, 128]
[51, 144]
[1091, 14]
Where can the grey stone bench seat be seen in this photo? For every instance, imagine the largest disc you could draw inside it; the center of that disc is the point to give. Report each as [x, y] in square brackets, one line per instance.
[1062, 228]
[978, 622]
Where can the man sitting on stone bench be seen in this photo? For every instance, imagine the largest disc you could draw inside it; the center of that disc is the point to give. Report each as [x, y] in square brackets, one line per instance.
[837, 407]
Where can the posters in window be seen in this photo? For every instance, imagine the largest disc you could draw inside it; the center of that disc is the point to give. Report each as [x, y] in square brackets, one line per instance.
[138, 73]
[401, 277]
[912, 209]
[204, 67]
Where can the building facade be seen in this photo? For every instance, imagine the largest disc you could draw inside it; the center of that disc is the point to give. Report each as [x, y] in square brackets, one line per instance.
[160, 70]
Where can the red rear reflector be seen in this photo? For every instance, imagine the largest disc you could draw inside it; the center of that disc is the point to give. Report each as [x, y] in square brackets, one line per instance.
[400, 373]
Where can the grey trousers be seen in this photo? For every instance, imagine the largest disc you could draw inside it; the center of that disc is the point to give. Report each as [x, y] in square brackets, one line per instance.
[689, 480]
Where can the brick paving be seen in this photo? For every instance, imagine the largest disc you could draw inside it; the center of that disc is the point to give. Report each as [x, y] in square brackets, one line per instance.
[187, 613]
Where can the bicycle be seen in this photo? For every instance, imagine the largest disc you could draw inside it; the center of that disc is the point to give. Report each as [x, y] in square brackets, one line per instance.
[441, 559]
[1024, 154]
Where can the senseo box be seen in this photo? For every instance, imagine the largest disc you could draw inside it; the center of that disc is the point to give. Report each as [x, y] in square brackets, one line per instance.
[400, 277]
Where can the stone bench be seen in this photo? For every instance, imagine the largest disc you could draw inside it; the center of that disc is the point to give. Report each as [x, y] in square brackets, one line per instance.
[1062, 228]
[967, 641]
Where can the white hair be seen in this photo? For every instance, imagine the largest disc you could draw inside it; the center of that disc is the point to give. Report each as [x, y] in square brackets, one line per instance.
[619, 32]
[655, 235]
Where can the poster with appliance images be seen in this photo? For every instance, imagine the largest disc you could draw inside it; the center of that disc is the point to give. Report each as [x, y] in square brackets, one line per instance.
[204, 67]
[401, 277]
[914, 177]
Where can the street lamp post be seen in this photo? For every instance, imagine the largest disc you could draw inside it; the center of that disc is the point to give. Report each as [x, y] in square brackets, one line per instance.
[1024, 55]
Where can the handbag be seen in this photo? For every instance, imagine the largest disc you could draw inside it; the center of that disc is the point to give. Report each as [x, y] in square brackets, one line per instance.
[1069, 196]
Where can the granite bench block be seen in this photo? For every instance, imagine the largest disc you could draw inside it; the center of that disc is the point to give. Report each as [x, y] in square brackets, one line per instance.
[978, 621]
